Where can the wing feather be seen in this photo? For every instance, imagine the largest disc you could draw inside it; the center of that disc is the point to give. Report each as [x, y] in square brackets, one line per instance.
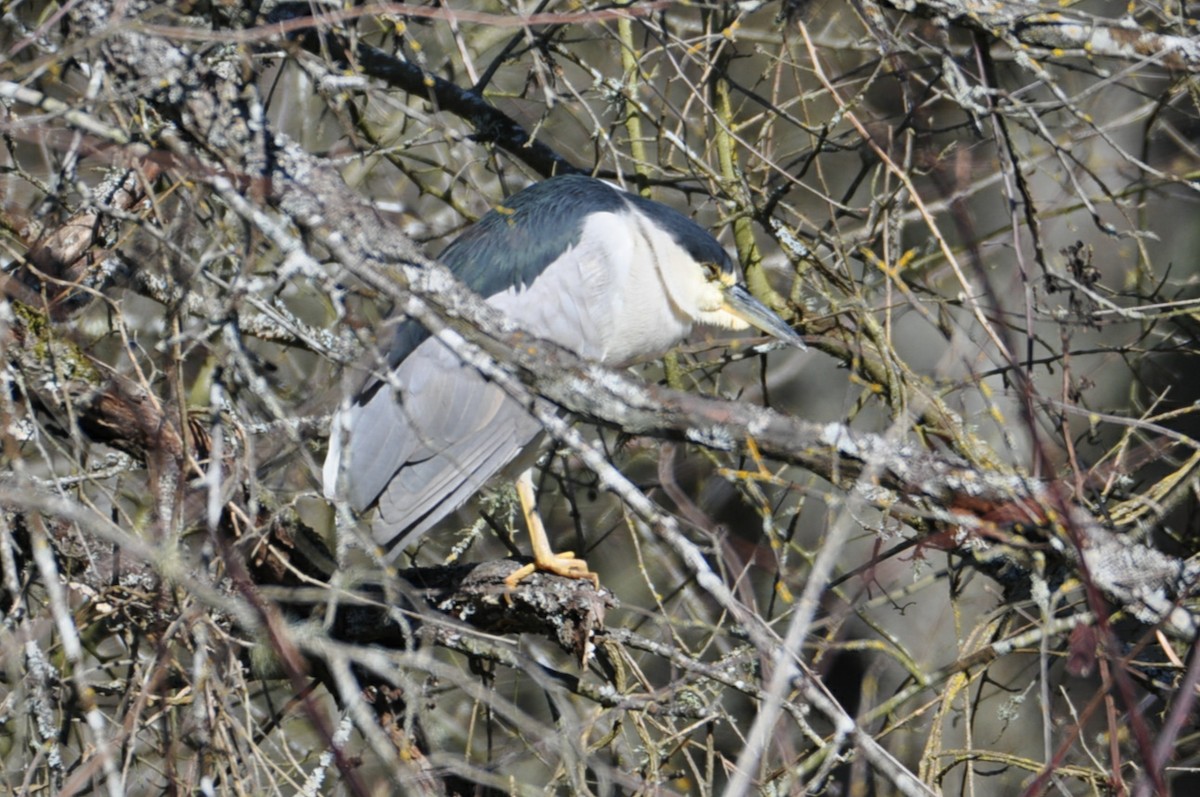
[425, 442]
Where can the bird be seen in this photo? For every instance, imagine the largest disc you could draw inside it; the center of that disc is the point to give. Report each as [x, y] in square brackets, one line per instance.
[613, 276]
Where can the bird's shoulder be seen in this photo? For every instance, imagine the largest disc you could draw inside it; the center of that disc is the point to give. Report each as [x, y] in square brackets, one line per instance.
[512, 245]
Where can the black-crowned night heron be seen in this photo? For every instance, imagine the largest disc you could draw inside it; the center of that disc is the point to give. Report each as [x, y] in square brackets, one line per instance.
[611, 275]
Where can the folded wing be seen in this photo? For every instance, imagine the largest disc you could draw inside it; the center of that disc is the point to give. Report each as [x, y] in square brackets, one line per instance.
[421, 444]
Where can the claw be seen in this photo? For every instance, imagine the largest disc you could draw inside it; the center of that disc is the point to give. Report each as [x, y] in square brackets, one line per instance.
[561, 564]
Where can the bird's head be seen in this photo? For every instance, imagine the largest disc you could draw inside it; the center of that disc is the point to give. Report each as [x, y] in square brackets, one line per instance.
[722, 300]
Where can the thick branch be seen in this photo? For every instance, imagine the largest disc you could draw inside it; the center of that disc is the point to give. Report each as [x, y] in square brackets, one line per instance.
[492, 126]
[1030, 26]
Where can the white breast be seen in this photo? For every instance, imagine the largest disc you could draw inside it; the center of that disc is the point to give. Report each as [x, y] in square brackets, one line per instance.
[606, 298]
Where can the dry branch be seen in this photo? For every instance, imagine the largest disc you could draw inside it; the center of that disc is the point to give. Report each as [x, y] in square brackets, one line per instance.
[1060, 32]
[278, 225]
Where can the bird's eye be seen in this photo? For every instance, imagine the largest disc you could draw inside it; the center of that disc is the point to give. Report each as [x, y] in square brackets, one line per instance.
[712, 272]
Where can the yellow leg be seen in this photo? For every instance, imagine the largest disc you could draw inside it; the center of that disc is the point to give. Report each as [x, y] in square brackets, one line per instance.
[563, 564]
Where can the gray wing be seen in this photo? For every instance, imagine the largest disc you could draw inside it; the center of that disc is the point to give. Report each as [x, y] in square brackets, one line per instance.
[418, 450]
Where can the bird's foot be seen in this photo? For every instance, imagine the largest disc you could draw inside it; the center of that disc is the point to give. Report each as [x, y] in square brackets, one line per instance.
[561, 564]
